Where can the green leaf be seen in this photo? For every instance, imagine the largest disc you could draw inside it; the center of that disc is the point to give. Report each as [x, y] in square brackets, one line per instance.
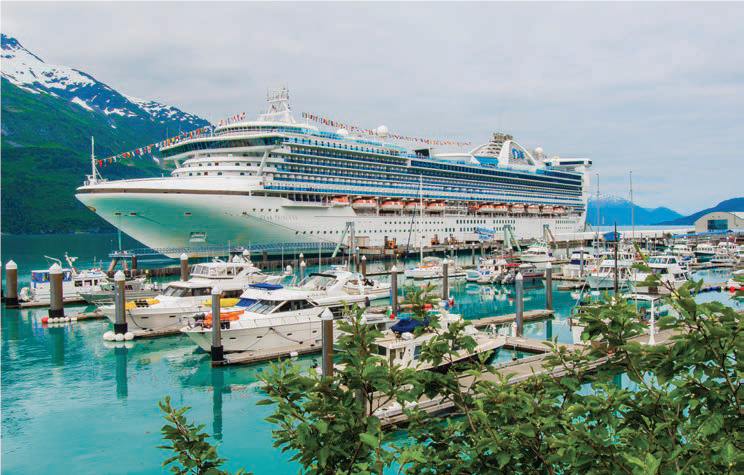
[368, 439]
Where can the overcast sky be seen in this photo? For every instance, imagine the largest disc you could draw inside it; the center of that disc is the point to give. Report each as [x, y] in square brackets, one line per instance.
[652, 88]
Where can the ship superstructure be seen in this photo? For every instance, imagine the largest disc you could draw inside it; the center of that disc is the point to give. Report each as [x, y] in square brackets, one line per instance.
[274, 180]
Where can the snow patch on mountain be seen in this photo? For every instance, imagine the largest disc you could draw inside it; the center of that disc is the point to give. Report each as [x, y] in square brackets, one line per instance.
[29, 72]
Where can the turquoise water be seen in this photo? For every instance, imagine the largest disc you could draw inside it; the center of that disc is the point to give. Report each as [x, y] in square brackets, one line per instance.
[72, 404]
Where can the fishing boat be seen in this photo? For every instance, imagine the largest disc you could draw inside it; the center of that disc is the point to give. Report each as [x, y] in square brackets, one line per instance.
[184, 298]
[74, 282]
[270, 317]
[288, 182]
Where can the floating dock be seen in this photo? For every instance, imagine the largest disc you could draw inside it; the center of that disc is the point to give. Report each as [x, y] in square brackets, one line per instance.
[254, 357]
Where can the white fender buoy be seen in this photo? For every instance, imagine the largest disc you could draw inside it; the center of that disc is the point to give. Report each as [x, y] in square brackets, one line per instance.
[109, 336]
[129, 336]
[119, 337]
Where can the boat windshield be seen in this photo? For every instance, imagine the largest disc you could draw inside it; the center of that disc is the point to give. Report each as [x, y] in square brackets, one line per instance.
[174, 291]
[263, 307]
[318, 281]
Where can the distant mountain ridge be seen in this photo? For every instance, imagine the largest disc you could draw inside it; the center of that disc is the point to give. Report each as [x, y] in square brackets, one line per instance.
[49, 114]
[733, 204]
[613, 209]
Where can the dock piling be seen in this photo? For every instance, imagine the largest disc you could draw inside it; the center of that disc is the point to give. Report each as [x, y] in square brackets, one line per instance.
[394, 290]
[445, 279]
[11, 285]
[472, 254]
[120, 302]
[327, 335]
[184, 267]
[302, 268]
[217, 351]
[56, 309]
[364, 266]
[549, 286]
[519, 288]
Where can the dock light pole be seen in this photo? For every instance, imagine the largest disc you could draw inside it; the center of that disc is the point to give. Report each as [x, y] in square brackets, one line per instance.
[519, 319]
[652, 326]
[217, 352]
[549, 286]
[394, 290]
[364, 266]
[55, 292]
[445, 279]
[120, 302]
[327, 321]
[356, 259]
[184, 267]
[11, 285]
[302, 268]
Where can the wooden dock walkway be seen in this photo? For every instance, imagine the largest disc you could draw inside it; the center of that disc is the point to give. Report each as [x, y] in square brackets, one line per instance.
[520, 370]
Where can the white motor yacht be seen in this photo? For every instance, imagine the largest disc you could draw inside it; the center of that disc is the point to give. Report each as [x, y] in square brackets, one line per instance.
[538, 254]
[670, 269]
[487, 269]
[579, 264]
[181, 299]
[431, 268]
[603, 277]
[273, 317]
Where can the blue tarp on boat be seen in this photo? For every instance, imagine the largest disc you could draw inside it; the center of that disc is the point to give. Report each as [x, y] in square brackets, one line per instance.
[266, 286]
[406, 325]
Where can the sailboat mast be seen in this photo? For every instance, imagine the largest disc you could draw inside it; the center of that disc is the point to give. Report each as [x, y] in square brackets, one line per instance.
[632, 210]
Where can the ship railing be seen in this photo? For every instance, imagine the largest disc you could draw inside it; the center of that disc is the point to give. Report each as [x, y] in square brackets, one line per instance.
[287, 247]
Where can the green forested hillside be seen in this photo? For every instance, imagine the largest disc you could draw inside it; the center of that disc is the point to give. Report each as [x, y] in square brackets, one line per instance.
[45, 155]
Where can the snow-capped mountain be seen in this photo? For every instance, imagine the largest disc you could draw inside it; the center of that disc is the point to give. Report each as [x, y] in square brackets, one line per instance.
[30, 73]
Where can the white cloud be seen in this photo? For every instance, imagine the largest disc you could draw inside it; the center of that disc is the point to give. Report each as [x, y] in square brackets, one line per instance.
[656, 88]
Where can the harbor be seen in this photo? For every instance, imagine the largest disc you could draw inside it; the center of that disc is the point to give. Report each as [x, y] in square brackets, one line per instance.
[123, 380]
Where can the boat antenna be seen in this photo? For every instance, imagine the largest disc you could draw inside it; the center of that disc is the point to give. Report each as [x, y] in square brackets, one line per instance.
[632, 221]
[94, 174]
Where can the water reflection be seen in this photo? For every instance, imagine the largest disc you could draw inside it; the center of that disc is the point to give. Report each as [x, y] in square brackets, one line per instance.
[122, 388]
[57, 340]
[218, 388]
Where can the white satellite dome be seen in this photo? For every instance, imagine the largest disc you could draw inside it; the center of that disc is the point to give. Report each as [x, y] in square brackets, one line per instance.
[382, 131]
[539, 150]
[342, 132]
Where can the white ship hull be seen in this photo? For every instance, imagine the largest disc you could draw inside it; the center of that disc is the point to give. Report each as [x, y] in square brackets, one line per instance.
[212, 218]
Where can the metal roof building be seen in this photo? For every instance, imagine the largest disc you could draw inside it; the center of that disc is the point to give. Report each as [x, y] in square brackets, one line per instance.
[720, 221]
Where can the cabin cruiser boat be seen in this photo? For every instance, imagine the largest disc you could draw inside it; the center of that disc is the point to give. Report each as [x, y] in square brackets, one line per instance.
[704, 251]
[431, 268]
[581, 260]
[271, 317]
[487, 270]
[73, 282]
[137, 288]
[723, 260]
[538, 254]
[399, 346]
[669, 269]
[530, 274]
[181, 299]
[603, 277]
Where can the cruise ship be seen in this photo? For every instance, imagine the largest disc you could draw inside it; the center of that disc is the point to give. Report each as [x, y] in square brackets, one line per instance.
[276, 180]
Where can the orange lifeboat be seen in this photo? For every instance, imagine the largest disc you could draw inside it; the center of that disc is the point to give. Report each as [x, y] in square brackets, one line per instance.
[486, 208]
[364, 203]
[435, 207]
[502, 208]
[558, 210]
[413, 206]
[391, 205]
[516, 208]
[340, 201]
[533, 209]
[547, 209]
